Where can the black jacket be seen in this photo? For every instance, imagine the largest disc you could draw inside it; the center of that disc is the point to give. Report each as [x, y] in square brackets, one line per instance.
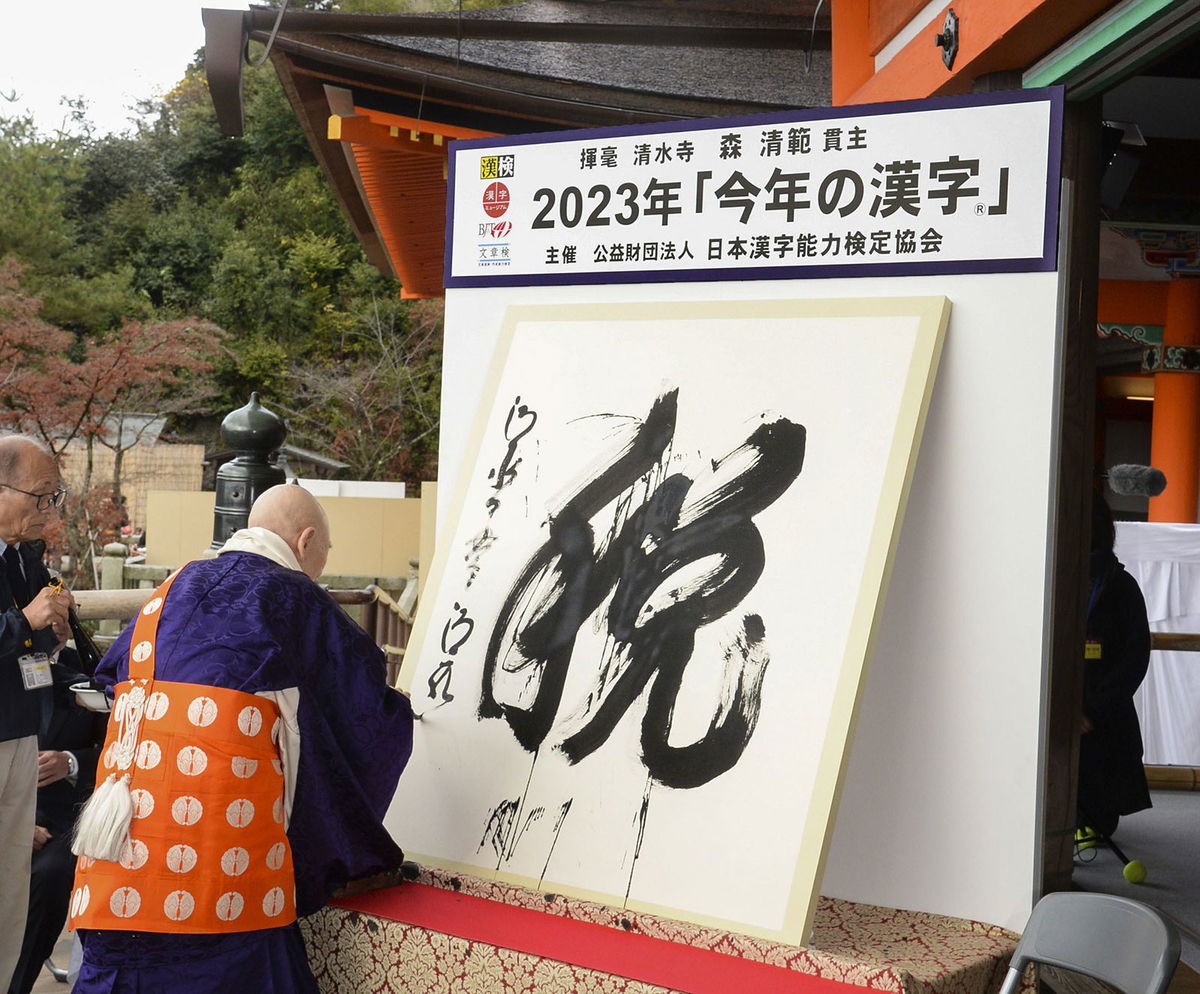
[22, 712]
[80, 732]
[1112, 780]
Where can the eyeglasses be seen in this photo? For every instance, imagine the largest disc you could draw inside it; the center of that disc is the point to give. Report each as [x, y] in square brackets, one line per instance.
[44, 501]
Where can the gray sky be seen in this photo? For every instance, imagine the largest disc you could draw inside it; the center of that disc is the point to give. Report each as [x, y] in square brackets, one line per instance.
[149, 43]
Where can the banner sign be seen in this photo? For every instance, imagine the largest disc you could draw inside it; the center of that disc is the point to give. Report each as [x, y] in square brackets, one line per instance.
[954, 185]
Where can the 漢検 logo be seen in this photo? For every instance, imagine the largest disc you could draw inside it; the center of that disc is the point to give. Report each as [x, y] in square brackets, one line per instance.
[497, 166]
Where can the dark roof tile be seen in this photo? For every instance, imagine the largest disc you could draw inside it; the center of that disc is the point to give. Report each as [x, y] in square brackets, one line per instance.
[771, 76]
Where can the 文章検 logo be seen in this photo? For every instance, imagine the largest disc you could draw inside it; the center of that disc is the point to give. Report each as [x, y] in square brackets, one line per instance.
[493, 254]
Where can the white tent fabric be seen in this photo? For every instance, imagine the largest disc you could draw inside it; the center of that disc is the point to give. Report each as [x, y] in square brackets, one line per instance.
[1165, 561]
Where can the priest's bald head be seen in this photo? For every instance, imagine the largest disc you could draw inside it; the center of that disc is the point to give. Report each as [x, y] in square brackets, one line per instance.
[294, 514]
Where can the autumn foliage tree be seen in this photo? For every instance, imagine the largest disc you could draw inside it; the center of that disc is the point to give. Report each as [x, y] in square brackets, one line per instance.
[65, 389]
[27, 343]
[376, 405]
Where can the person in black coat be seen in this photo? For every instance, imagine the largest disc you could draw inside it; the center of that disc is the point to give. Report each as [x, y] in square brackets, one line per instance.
[1112, 780]
[68, 750]
[34, 621]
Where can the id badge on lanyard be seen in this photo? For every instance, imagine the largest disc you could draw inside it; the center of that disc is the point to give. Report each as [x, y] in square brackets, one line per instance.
[35, 667]
[35, 670]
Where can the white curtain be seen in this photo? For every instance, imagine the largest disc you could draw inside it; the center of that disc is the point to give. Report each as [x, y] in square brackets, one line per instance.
[1165, 561]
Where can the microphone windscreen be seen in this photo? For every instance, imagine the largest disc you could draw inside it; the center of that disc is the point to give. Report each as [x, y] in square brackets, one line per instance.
[1130, 480]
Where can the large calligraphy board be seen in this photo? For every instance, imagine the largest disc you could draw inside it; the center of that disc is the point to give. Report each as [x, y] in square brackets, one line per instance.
[641, 643]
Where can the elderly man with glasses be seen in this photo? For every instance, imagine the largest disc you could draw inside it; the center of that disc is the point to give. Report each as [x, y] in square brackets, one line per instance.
[33, 626]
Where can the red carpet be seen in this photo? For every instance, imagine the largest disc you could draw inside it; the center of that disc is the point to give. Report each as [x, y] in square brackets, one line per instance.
[597, 947]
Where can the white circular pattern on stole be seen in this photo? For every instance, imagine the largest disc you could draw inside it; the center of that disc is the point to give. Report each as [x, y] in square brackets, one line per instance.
[148, 754]
[273, 902]
[152, 605]
[110, 758]
[235, 861]
[80, 900]
[230, 905]
[181, 859]
[277, 810]
[202, 712]
[277, 766]
[240, 813]
[192, 761]
[156, 705]
[187, 810]
[275, 856]
[143, 803]
[275, 731]
[141, 651]
[179, 905]
[134, 854]
[244, 768]
[250, 721]
[119, 705]
[125, 902]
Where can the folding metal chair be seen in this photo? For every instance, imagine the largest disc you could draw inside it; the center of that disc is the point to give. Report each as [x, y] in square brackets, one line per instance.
[1121, 942]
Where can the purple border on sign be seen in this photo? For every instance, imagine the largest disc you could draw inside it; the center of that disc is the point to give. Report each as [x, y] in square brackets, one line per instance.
[1046, 262]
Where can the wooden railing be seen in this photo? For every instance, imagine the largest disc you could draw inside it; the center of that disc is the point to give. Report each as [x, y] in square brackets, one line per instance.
[127, 584]
[382, 616]
[1175, 641]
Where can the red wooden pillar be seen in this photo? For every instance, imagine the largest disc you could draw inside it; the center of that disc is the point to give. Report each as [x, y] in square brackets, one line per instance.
[853, 61]
[1175, 435]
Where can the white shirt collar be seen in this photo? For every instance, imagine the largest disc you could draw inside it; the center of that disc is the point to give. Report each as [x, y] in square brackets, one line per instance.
[262, 542]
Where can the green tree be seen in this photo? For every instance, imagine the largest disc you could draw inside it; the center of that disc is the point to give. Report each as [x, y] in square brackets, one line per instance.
[184, 135]
[177, 255]
[175, 219]
[39, 173]
[93, 304]
[111, 169]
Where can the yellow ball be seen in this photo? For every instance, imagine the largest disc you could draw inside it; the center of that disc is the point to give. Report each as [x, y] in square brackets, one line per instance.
[1135, 871]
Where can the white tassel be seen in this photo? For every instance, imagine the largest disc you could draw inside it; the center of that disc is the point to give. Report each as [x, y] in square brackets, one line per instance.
[103, 826]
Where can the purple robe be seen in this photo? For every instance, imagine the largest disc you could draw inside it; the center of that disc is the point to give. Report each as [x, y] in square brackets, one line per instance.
[243, 622]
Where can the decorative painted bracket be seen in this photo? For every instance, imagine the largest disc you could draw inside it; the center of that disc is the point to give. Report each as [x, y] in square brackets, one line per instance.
[1171, 359]
[1138, 334]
